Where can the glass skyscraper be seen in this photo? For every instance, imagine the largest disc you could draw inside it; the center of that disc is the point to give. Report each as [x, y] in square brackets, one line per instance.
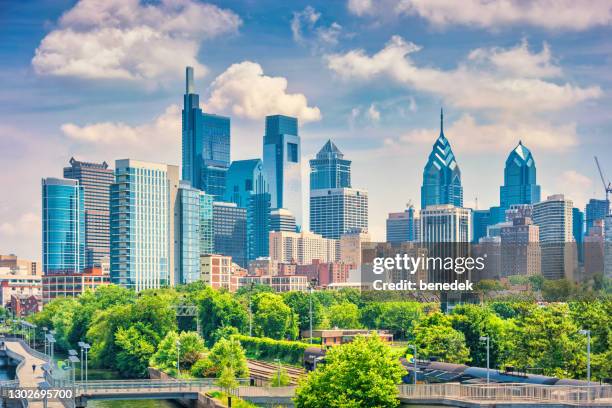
[282, 164]
[519, 179]
[403, 226]
[205, 144]
[336, 211]
[329, 169]
[207, 243]
[247, 187]
[596, 210]
[230, 231]
[441, 175]
[63, 226]
[144, 225]
[95, 179]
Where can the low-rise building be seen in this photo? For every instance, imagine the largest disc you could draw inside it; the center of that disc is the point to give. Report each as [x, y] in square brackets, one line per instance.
[73, 284]
[18, 282]
[24, 305]
[333, 337]
[279, 283]
[20, 265]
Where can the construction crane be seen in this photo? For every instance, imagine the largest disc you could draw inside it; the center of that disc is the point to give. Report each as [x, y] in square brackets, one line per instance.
[608, 186]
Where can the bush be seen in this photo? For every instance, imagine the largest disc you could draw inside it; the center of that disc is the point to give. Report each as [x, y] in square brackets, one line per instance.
[265, 348]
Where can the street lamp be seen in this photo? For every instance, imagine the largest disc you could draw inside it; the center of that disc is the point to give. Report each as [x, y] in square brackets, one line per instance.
[414, 347]
[178, 358]
[80, 344]
[311, 286]
[73, 359]
[588, 334]
[251, 286]
[45, 335]
[85, 347]
[51, 340]
[486, 338]
[277, 360]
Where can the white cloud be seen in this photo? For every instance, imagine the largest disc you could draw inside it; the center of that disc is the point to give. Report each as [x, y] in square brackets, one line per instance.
[576, 186]
[492, 14]
[23, 225]
[467, 135]
[243, 90]
[130, 40]
[307, 29]
[486, 80]
[373, 113]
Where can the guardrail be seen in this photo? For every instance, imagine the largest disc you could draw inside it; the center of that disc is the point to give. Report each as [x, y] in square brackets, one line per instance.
[171, 385]
[509, 392]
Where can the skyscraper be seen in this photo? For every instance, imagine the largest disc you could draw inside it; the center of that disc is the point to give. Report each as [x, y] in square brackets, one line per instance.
[144, 225]
[519, 179]
[403, 226]
[95, 179]
[205, 144]
[520, 248]
[247, 187]
[281, 219]
[596, 210]
[441, 175]
[63, 226]
[230, 231]
[283, 165]
[446, 223]
[302, 247]
[329, 169]
[336, 211]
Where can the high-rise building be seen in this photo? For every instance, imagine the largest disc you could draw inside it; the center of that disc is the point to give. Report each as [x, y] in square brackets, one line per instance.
[594, 250]
[205, 144]
[95, 178]
[302, 248]
[329, 169]
[446, 223]
[481, 220]
[520, 185]
[144, 225]
[63, 226]
[520, 248]
[336, 211]
[281, 219]
[247, 187]
[196, 230]
[351, 247]
[596, 210]
[283, 165]
[403, 226]
[555, 219]
[608, 246]
[441, 175]
[578, 231]
[230, 231]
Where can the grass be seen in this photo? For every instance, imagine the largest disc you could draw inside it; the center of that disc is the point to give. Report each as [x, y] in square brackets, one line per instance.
[236, 402]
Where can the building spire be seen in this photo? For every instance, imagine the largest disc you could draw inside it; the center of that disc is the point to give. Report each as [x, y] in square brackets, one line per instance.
[441, 121]
[189, 88]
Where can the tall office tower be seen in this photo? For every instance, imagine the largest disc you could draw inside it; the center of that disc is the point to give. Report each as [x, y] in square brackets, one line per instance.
[441, 175]
[95, 178]
[144, 225]
[63, 226]
[555, 219]
[230, 231]
[205, 144]
[302, 248]
[578, 231]
[403, 226]
[520, 248]
[195, 222]
[336, 211]
[281, 219]
[247, 187]
[283, 165]
[351, 247]
[329, 169]
[596, 210]
[608, 246]
[519, 179]
[481, 220]
[594, 250]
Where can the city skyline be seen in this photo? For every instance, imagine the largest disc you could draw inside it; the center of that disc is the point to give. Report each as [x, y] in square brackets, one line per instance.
[104, 116]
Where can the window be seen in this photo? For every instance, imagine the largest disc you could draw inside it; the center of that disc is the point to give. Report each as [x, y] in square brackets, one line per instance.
[292, 152]
[248, 185]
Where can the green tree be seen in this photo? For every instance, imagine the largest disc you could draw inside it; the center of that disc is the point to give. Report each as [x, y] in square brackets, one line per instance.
[280, 379]
[134, 352]
[229, 353]
[220, 309]
[299, 302]
[273, 318]
[557, 290]
[363, 373]
[397, 317]
[191, 349]
[227, 380]
[344, 315]
[435, 337]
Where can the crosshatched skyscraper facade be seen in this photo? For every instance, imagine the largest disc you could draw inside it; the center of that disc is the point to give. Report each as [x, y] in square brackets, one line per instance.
[519, 179]
[329, 169]
[63, 226]
[441, 175]
[95, 179]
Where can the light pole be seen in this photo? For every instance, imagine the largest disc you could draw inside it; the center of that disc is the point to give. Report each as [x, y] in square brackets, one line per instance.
[80, 344]
[486, 338]
[72, 357]
[86, 347]
[251, 286]
[414, 347]
[311, 286]
[278, 378]
[588, 334]
[178, 358]
[45, 334]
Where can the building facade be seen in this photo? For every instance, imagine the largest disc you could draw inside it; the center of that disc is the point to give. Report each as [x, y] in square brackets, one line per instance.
[302, 248]
[351, 247]
[596, 210]
[334, 212]
[282, 219]
[329, 169]
[73, 284]
[20, 266]
[144, 225]
[63, 226]
[520, 186]
[283, 164]
[403, 226]
[95, 179]
[230, 231]
[520, 248]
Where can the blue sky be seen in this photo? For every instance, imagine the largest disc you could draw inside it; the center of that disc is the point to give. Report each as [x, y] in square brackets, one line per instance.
[103, 80]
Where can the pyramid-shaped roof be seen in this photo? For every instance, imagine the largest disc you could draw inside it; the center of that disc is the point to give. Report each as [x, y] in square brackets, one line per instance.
[330, 149]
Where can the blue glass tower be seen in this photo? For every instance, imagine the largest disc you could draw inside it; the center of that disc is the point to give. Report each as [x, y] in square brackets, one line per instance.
[596, 209]
[329, 169]
[282, 164]
[205, 144]
[63, 226]
[441, 176]
[247, 187]
[519, 179]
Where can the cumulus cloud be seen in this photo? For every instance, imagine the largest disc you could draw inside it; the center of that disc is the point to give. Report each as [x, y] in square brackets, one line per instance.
[23, 225]
[577, 187]
[373, 113]
[467, 135]
[130, 40]
[307, 29]
[243, 90]
[492, 14]
[488, 79]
